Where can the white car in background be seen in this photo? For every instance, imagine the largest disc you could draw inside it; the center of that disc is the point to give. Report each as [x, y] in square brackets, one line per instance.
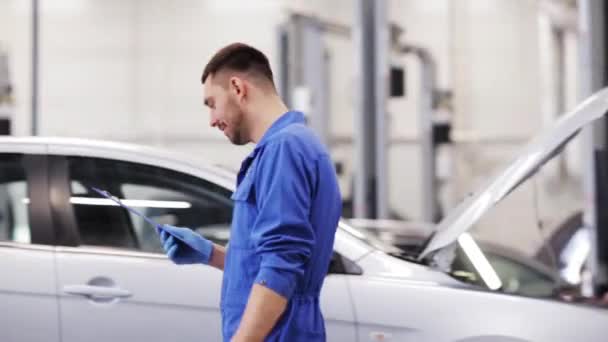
[74, 267]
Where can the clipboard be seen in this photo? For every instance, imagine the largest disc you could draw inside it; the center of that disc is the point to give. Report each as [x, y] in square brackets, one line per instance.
[115, 199]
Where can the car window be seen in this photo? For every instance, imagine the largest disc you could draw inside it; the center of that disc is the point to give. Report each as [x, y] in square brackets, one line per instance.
[520, 278]
[167, 196]
[516, 277]
[14, 221]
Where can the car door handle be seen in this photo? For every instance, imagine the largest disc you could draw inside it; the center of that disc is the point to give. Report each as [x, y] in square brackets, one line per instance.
[96, 292]
[379, 336]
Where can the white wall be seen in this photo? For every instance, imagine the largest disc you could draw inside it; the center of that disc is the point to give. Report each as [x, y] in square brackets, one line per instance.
[15, 36]
[130, 70]
[426, 25]
[495, 73]
[87, 68]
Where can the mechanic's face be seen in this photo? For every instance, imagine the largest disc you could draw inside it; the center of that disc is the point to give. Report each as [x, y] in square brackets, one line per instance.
[225, 112]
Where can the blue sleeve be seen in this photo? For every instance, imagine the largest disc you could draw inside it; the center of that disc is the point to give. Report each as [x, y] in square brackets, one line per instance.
[282, 231]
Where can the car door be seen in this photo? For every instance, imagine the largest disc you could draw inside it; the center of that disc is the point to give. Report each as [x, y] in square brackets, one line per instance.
[336, 300]
[29, 310]
[115, 283]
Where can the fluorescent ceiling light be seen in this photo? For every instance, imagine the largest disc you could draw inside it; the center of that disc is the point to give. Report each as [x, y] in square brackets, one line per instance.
[131, 203]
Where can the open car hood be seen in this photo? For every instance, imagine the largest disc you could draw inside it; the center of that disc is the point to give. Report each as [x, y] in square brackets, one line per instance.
[540, 150]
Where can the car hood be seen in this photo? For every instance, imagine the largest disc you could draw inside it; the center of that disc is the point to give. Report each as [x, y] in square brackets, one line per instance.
[383, 267]
[540, 150]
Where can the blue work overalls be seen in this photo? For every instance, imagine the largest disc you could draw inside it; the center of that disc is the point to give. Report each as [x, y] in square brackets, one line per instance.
[286, 209]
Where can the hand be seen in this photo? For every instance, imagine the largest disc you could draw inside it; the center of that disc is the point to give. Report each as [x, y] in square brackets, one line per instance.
[184, 246]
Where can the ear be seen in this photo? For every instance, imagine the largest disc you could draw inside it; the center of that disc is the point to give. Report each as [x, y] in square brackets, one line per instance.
[237, 87]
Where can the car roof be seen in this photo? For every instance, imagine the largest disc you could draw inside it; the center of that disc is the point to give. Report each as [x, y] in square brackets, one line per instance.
[120, 151]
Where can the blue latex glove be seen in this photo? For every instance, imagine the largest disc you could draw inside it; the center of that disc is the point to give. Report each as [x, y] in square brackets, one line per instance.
[184, 246]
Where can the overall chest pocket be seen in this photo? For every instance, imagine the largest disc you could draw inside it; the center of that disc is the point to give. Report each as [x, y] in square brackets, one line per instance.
[242, 262]
[245, 212]
[245, 192]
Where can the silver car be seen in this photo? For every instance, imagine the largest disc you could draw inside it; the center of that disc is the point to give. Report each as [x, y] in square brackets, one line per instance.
[75, 267]
[518, 273]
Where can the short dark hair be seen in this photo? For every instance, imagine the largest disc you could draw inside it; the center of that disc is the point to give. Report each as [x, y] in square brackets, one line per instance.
[241, 58]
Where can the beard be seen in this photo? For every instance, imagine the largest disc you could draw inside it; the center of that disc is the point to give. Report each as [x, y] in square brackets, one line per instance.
[237, 135]
[237, 138]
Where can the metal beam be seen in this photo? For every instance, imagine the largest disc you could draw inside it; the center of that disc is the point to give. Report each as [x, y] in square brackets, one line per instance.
[381, 94]
[371, 42]
[593, 62]
[430, 199]
[364, 187]
[303, 56]
[283, 79]
[314, 78]
[334, 28]
[35, 64]
[304, 76]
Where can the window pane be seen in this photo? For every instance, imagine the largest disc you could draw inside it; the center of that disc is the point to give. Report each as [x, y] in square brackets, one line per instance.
[519, 278]
[166, 196]
[168, 206]
[14, 201]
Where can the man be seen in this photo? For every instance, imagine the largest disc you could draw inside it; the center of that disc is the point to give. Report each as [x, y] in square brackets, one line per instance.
[286, 208]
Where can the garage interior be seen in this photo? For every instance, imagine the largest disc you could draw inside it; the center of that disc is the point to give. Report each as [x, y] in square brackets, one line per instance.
[426, 108]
